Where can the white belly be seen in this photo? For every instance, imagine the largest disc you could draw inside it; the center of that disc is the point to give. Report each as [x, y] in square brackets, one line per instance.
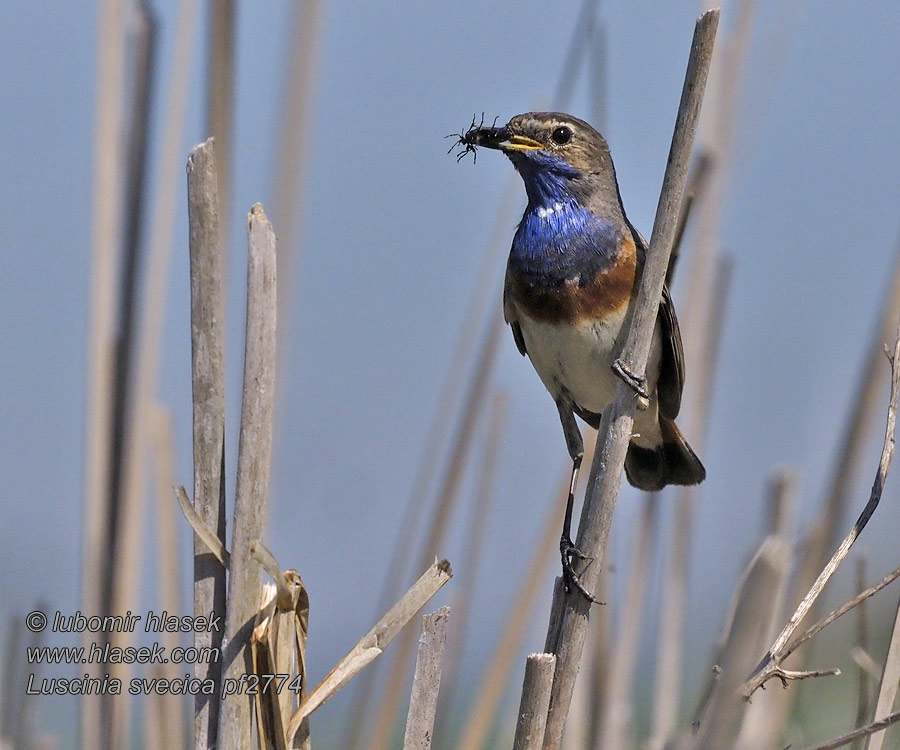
[575, 359]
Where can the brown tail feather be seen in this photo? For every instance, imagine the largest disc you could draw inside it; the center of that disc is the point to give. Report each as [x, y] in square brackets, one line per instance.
[671, 462]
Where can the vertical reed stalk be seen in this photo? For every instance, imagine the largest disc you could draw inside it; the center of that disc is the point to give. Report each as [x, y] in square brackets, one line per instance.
[208, 387]
[615, 431]
[254, 467]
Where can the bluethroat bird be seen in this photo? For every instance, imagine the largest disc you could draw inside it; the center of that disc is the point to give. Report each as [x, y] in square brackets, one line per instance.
[573, 272]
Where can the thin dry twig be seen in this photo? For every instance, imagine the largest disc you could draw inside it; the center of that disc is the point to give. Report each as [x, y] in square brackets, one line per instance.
[535, 701]
[212, 543]
[373, 643]
[770, 666]
[839, 612]
[865, 731]
[609, 458]
[427, 681]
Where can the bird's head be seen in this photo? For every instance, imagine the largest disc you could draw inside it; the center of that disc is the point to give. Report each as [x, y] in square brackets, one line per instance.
[559, 157]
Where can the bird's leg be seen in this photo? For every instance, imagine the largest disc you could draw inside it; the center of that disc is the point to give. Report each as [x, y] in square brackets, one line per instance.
[637, 383]
[567, 548]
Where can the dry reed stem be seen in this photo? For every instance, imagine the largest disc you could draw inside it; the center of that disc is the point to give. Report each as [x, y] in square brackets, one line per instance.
[462, 442]
[863, 698]
[849, 457]
[373, 643]
[851, 453]
[254, 466]
[890, 681]
[667, 678]
[296, 129]
[132, 508]
[105, 238]
[426, 681]
[764, 719]
[615, 724]
[168, 560]
[598, 67]
[207, 515]
[474, 537]
[582, 33]
[615, 431]
[10, 700]
[219, 100]
[770, 666]
[495, 677]
[865, 731]
[453, 381]
[278, 645]
[746, 631]
[535, 702]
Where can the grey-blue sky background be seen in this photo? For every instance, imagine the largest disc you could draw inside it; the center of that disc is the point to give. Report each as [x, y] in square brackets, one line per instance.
[392, 235]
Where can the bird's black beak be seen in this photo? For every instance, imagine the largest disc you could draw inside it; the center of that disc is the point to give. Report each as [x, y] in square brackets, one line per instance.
[500, 138]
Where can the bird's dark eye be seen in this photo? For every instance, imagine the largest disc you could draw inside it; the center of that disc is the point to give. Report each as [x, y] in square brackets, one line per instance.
[561, 135]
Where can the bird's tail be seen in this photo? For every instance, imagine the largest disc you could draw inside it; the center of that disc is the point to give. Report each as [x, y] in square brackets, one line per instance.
[671, 462]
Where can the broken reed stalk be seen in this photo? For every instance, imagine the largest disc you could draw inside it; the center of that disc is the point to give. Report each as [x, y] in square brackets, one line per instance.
[616, 428]
[748, 627]
[764, 719]
[450, 485]
[770, 666]
[373, 643]
[427, 681]
[254, 465]
[207, 261]
[535, 702]
[890, 681]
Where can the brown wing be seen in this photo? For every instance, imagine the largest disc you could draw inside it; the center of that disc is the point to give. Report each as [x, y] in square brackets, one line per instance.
[509, 315]
[671, 366]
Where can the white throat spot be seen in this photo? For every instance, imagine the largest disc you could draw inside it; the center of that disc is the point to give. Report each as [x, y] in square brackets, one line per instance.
[544, 211]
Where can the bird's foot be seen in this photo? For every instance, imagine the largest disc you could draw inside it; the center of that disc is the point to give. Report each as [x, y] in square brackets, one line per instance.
[568, 551]
[637, 383]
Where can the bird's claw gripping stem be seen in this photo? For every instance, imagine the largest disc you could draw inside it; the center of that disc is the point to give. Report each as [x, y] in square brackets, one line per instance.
[637, 383]
[568, 550]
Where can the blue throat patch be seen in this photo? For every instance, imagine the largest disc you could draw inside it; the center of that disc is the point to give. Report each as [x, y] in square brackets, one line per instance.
[558, 239]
